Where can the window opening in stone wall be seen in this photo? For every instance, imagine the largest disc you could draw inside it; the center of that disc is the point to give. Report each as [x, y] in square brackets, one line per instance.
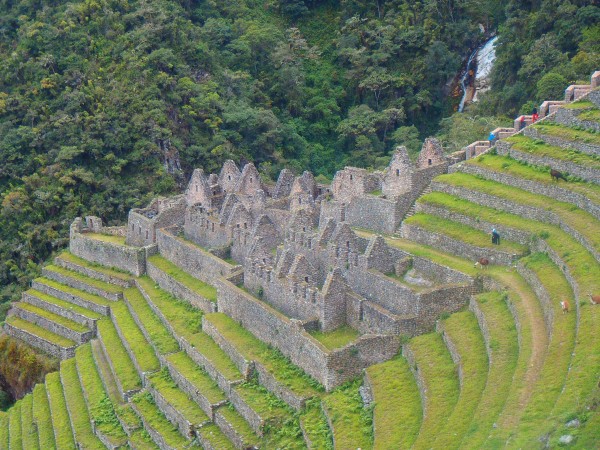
[214, 192]
[429, 161]
[146, 234]
[196, 188]
[250, 179]
[229, 177]
[304, 229]
[132, 227]
[213, 227]
[245, 225]
[299, 201]
[306, 279]
[347, 244]
[397, 172]
[351, 178]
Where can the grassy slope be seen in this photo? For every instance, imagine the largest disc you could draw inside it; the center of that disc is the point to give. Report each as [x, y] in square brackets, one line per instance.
[42, 417]
[398, 413]
[60, 416]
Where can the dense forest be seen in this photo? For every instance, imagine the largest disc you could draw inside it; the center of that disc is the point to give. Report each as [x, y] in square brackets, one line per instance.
[107, 103]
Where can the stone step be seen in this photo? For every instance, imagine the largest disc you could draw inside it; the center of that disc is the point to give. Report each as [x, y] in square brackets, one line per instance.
[460, 240]
[58, 410]
[162, 432]
[83, 282]
[77, 407]
[38, 337]
[537, 153]
[69, 261]
[52, 322]
[69, 294]
[62, 308]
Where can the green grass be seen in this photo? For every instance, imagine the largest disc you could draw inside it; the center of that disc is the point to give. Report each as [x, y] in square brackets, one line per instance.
[28, 427]
[92, 298]
[141, 440]
[352, 424]
[99, 284]
[142, 351]
[65, 305]
[59, 414]
[199, 287]
[112, 272]
[15, 427]
[580, 220]
[42, 417]
[186, 321]
[441, 382]
[128, 416]
[538, 174]
[124, 369]
[106, 238]
[273, 360]
[159, 335]
[579, 104]
[239, 424]
[539, 148]
[164, 384]
[101, 409]
[592, 115]
[4, 418]
[80, 418]
[504, 349]
[463, 330]
[463, 233]
[314, 423]
[398, 413]
[39, 331]
[568, 133]
[196, 376]
[156, 420]
[552, 377]
[337, 338]
[266, 405]
[67, 323]
[215, 436]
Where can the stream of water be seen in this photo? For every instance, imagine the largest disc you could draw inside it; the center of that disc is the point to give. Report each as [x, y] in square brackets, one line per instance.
[485, 55]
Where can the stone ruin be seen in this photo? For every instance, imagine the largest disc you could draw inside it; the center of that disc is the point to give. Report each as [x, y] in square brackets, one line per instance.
[298, 249]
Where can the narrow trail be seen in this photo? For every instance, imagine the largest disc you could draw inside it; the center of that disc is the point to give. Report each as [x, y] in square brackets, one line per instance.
[530, 306]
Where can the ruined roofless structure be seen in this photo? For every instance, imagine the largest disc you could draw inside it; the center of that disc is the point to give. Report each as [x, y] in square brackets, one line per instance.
[297, 252]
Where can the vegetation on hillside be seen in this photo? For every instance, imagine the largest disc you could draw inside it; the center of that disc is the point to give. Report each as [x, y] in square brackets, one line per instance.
[105, 104]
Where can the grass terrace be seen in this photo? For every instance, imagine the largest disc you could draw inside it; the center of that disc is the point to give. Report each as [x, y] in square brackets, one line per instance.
[141, 440]
[101, 409]
[579, 104]
[164, 384]
[28, 427]
[143, 352]
[124, 369]
[4, 417]
[60, 417]
[504, 352]
[315, 426]
[159, 335]
[592, 115]
[199, 287]
[80, 419]
[39, 331]
[269, 407]
[67, 323]
[113, 272]
[540, 148]
[582, 221]
[196, 376]
[568, 133]
[440, 379]
[461, 232]
[152, 416]
[463, 330]
[273, 360]
[113, 239]
[64, 305]
[15, 431]
[215, 436]
[552, 377]
[352, 424]
[338, 338]
[42, 417]
[538, 174]
[398, 413]
[99, 284]
[240, 425]
[91, 298]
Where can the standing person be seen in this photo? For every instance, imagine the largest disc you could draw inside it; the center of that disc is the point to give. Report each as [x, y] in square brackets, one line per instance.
[492, 138]
[495, 237]
[534, 115]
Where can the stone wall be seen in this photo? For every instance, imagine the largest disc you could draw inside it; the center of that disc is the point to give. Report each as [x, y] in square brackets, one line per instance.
[39, 342]
[483, 326]
[68, 313]
[68, 297]
[378, 214]
[56, 328]
[447, 299]
[190, 257]
[581, 146]
[81, 285]
[131, 259]
[542, 294]
[179, 290]
[92, 273]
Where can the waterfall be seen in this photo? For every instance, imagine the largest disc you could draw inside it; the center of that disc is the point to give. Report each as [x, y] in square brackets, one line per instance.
[485, 60]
